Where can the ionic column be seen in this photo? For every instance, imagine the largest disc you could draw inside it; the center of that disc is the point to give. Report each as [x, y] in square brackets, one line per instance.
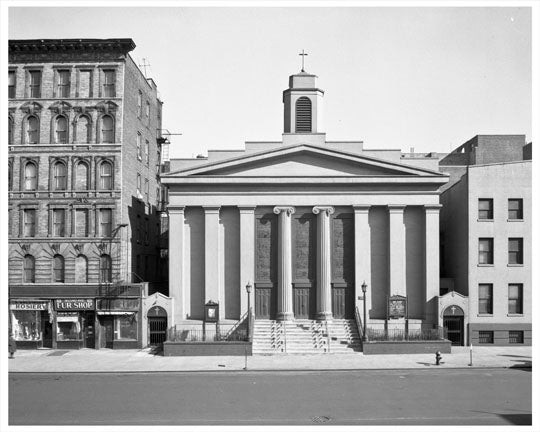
[362, 254]
[324, 263]
[432, 280]
[285, 294]
[176, 263]
[212, 288]
[397, 251]
[247, 254]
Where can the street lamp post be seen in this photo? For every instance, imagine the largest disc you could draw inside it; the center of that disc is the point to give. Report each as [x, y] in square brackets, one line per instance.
[364, 289]
[248, 290]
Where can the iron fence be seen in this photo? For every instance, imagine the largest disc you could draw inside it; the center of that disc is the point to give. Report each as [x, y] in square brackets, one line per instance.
[197, 335]
[403, 335]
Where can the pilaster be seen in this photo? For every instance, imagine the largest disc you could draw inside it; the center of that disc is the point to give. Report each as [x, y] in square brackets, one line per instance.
[397, 250]
[176, 263]
[362, 255]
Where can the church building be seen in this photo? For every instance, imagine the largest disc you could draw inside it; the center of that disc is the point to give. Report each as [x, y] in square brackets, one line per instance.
[306, 222]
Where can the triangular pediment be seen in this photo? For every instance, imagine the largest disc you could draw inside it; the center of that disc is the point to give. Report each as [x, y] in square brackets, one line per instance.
[303, 161]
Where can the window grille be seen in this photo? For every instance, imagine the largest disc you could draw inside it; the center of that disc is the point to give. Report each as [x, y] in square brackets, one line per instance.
[303, 115]
[485, 337]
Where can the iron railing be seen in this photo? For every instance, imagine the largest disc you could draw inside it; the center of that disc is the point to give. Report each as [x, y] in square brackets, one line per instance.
[197, 335]
[438, 333]
[359, 326]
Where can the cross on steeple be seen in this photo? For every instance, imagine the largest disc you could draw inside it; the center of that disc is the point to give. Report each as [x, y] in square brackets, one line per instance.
[303, 54]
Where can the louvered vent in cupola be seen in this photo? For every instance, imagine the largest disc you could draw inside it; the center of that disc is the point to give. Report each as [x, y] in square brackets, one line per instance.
[303, 115]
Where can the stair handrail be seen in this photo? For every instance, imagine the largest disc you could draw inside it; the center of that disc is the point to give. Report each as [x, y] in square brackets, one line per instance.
[327, 336]
[236, 325]
[358, 321]
[251, 325]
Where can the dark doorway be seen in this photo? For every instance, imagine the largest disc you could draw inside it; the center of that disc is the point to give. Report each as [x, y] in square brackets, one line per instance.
[303, 302]
[342, 302]
[453, 325]
[157, 325]
[264, 302]
[89, 330]
[107, 331]
[46, 330]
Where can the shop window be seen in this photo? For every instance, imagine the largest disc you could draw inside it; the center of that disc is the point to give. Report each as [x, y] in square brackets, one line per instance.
[109, 83]
[485, 299]
[126, 327]
[83, 130]
[105, 268]
[60, 176]
[515, 298]
[515, 337]
[515, 209]
[485, 337]
[81, 269]
[485, 251]
[107, 129]
[11, 84]
[59, 222]
[68, 327]
[30, 176]
[26, 325]
[35, 83]
[515, 251]
[105, 176]
[81, 176]
[32, 130]
[58, 268]
[485, 209]
[29, 269]
[29, 219]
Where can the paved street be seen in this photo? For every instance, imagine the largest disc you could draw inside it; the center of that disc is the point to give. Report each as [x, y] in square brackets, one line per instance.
[367, 397]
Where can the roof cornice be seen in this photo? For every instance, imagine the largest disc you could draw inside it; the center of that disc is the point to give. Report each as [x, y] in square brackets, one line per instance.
[123, 45]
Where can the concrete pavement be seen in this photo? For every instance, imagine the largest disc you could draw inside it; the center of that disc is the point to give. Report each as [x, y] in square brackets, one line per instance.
[106, 360]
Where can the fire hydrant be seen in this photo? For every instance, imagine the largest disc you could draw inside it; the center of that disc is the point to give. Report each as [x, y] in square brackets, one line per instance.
[438, 358]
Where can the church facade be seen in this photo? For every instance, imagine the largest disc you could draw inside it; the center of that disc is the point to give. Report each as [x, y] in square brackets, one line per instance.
[306, 222]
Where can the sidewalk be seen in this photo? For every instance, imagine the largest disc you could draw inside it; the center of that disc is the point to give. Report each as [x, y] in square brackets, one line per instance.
[106, 360]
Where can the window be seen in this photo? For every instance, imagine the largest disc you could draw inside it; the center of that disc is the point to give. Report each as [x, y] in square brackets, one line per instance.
[105, 268]
[139, 150]
[62, 86]
[30, 176]
[107, 131]
[147, 112]
[109, 83]
[81, 223]
[303, 115]
[10, 131]
[105, 222]
[485, 208]
[85, 84]
[83, 130]
[515, 337]
[139, 194]
[60, 176]
[11, 84]
[35, 84]
[58, 268]
[81, 176]
[32, 130]
[29, 217]
[126, 327]
[139, 104]
[485, 337]
[485, 299]
[485, 251]
[60, 130]
[29, 269]
[515, 251]
[146, 190]
[105, 176]
[59, 222]
[515, 298]
[147, 151]
[515, 209]
[146, 231]
[81, 269]
[10, 176]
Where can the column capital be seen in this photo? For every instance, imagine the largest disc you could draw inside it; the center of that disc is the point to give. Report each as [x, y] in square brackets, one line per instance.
[432, 208]
[288, 210]
[396, 208]
[325, 209]
[361, 208]
[176, 209]
[211, 209]
[246, 209]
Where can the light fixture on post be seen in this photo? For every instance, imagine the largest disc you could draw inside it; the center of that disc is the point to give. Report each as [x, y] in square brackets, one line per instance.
[364, 289]
[248, 290]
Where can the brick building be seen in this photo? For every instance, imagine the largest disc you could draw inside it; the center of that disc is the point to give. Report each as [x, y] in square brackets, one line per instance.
[486, 220]
[84, 192]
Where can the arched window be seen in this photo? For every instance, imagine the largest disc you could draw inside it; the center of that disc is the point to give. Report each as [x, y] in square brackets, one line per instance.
[81, 269]
[105, 268]
[30, 176]
[107, 131]
[32, 130]
[303, 115]
[10, 130]
[81, 176]
[105, 176]
[83, 130]
[60, 176]
[29, 269]
[61, 130]
[58, 268]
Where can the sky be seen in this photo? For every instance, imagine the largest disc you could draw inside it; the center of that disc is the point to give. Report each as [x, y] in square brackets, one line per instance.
[400, 78]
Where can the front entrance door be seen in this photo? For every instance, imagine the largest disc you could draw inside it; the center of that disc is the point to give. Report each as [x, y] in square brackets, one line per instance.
[264, 302]
[89, 331]
[303, 302]
[157, 325]
[107, 331]
[46, 330]
[342, 302]
[453, 319]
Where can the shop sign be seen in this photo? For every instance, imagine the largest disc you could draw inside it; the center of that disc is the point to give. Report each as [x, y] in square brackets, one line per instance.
[118, 304]
[74, 304]
[26, 305]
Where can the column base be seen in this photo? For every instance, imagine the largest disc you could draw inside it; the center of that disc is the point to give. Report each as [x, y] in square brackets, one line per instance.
[324, 316]
[285, 316]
